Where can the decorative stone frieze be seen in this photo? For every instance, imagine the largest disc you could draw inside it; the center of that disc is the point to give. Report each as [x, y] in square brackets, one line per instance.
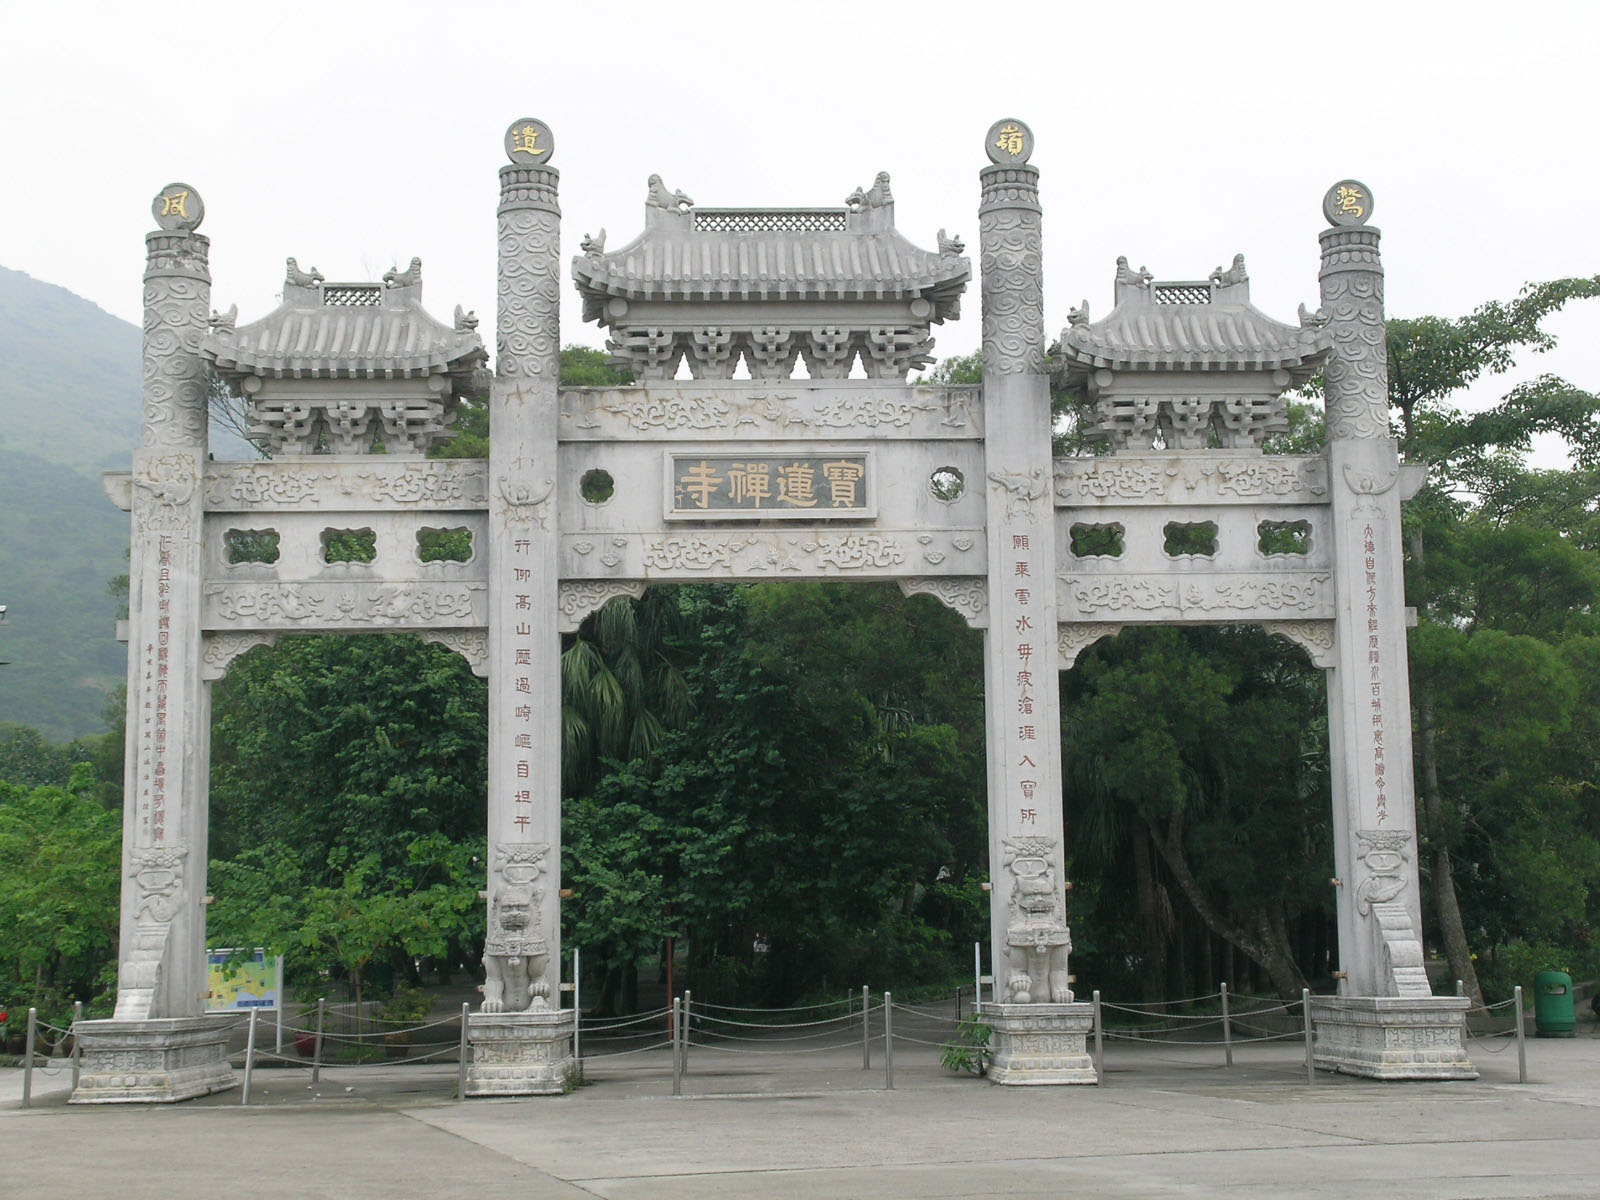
[1231, 598]
[159, 1060]
[372, 485]
[1392, 1037]
[1039, 1044]
[838, 409]
[354, 607]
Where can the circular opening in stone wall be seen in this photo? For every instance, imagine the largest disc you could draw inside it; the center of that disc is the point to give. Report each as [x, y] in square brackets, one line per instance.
[947, 484]
[596, 486]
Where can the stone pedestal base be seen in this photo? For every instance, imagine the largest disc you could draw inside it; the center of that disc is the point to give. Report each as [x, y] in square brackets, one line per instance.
[1039, 1043]
[158, 1061]
[1391, 1037]
[520, 1054]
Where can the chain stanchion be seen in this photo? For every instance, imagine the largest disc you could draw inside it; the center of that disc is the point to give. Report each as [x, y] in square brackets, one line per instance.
[1227, 1026]
[1311, 1062]
[77, 1043]
[577, 1011]
[249, 1058]
[461, 1061]
[688, 1029]
[1099, 1042]
[677, 1058]
[27, 1059]
[866, 1021]
[1522, 1044]
[888, 1041]
[316, 1045]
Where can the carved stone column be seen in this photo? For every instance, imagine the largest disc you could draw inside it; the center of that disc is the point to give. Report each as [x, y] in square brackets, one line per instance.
[1385, 1022]
[159, 1045]
[522, 1040]
[1038, 1031]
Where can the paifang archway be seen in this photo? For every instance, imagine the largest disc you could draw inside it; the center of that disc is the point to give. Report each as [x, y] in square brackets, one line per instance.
[947, 490]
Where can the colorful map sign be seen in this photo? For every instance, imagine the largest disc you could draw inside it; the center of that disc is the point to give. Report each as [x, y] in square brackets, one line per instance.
[250, 981]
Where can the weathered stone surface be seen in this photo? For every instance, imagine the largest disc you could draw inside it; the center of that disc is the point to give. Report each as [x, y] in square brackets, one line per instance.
[1391, 1037]
[1039, 1043]
[520, 1053]
[159, 1060]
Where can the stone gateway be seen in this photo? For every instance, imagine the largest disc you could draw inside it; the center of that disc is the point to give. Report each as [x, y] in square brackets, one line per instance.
[851, 472]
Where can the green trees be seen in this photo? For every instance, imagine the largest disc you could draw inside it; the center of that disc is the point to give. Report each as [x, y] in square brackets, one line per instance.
[60, 867]
[1502, 566]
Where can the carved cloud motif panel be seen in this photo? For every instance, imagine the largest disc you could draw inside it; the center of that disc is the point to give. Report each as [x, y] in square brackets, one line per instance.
[847, 409]
[1190, 478]
[780, 554]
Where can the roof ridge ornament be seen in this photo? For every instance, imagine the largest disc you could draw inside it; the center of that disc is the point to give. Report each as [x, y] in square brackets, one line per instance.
[293, 276]
[394, 277]
[659, 197]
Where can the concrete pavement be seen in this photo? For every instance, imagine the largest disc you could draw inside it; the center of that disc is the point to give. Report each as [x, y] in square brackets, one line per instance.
[1167, 1121]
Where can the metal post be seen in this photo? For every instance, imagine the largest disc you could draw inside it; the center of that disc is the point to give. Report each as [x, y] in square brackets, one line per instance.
[461, 1055]
[77, 1043]
[688, 1029]
[1227, 1027]
[316, 1052]
[577, 1010]
[1099, 1042]
[1311, 1064]
[249, 1057]
[866, 1020]
[977, 976]
[888, 1041]
[677, 1062]
[277, 1010]
[1522, 1045]
[27, 1059]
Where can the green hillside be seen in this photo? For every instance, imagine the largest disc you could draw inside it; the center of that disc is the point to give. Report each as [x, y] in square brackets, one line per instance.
[69, 408]
[69, 377]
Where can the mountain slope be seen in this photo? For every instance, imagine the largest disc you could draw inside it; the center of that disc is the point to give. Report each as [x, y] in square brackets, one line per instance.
[69, 408]
[69, 377]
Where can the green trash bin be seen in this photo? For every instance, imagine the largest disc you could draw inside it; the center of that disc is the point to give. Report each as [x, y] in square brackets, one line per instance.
[1553, 1012]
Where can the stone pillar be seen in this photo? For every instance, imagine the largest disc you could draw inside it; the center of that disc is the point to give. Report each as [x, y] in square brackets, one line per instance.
[1385, 1023]
[159, 1045]
[522, 1039]
[1038, 1031]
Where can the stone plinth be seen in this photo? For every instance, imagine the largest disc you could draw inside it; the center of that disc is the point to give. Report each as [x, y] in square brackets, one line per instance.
[1039, 1043]
[1391, 1037]
[157, 1061]
[520, 1053]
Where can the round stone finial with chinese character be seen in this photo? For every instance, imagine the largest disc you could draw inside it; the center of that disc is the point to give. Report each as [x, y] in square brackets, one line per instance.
[178, 206]
[1008, 143]
[1348, 202]
[529, 142]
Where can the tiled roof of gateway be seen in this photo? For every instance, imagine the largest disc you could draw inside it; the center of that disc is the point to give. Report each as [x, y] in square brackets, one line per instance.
[347, 330]
[771, 254]
[1206, 325]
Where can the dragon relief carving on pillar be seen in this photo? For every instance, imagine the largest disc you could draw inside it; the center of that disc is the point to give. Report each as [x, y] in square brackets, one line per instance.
[515, 951]
[1038, 941]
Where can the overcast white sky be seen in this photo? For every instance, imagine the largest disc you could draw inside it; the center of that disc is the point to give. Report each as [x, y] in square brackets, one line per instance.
[355, 135]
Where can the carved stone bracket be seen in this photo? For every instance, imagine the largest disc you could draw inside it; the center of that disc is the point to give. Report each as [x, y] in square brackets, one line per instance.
[1316, 638]
[471, 644]
[1074, 637]
[966, 594]
[577, 599]
[1400, 951]
[218, 650]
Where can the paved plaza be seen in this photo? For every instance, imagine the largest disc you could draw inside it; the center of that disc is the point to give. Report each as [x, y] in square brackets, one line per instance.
[1167, 1121]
